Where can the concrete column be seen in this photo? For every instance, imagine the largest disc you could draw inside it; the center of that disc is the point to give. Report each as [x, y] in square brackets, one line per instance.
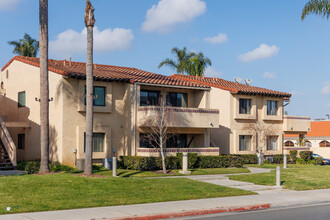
[285, 159]
[278, 176]
[185, 164]
[207, 138]
[114, 166]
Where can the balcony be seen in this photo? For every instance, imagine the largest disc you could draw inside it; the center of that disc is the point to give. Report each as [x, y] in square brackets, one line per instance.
[296, 124]
[178, 117]
[155, 152]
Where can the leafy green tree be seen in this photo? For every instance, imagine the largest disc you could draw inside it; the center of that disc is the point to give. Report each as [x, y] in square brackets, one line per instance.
[27, 46]
[198, 64]
[318, 7]
[182, 64]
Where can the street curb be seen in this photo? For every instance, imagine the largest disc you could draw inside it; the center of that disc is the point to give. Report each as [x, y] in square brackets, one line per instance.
[193, 212]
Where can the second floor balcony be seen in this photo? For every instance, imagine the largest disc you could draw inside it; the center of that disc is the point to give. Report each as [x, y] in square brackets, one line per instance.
[178, 117]
[296, 124]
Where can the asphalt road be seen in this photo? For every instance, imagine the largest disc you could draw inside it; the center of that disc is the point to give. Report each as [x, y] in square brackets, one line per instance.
[306, 212]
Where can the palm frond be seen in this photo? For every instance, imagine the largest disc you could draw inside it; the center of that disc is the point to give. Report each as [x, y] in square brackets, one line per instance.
[318, 7]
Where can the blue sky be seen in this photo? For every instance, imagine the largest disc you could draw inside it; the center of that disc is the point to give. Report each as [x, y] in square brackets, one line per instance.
[262, 40]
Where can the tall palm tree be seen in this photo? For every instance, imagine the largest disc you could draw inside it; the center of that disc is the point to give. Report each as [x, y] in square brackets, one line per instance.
[318, 7]
[44, 86]
[27, 46]
[198, 64]
[89, 22]
[182, 64]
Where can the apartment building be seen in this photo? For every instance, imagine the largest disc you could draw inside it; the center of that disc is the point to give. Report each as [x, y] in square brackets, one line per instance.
[316, 140]
[251, 118]
[124, 98]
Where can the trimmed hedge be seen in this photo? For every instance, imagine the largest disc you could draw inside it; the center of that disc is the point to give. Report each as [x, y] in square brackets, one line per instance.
[33, 166]
[248, 158]
[305, 155]
[172, 162]
[278, 158]
[293, 156]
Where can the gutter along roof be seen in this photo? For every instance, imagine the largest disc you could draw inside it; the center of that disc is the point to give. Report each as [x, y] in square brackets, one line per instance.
[107, 73]
[233, 87]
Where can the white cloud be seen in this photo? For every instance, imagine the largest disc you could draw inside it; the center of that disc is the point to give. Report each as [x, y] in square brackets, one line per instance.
[262, 52]
[269, 75]
[8, 4]
[326, 88]
[71, 41]
[219, 39]
[167, 13]
[212, 72]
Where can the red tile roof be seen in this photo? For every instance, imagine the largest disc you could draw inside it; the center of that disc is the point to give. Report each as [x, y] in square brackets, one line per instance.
[105, 72]
[318, 129]
[233, 87]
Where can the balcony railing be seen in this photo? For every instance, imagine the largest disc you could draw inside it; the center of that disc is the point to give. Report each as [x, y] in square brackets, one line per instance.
[292, 124]
[155, 152]
[178, 117]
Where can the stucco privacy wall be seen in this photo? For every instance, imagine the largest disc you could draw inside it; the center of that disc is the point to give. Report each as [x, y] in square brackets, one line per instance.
[20, 77]
[233, 124]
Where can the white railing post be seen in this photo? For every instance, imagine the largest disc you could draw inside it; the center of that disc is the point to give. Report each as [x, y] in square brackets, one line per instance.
[114, 166]
[278, 176]
[285, 160]
[8, 143]
[185, 164]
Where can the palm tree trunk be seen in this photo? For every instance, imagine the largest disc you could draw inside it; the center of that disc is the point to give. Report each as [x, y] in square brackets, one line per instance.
[44, 87]
[89, 21]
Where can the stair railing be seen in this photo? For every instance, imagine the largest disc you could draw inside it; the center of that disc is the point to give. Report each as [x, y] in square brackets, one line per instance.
[8, 143]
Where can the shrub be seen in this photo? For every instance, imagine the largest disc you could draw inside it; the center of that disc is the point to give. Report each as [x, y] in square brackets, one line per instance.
[57, 167]
[33, 167]
[278, 158]
[248, 158]
[29, 166]
[305, 155]
[293, 156]
[192, 160]
[155, 163]
[300, 161]
[318, 161]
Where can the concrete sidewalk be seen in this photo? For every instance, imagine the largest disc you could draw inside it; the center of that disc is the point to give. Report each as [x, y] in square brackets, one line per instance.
[274, 199]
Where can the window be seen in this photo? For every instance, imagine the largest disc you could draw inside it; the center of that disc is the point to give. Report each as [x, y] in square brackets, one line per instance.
[21, 141]
[99, 96]
[271, 107]
[289, 144]
[177, 141]
[271, 142]
[21, 99]
[245, 142]
[245, 106]
[149, 98]
[324, 144]
[177, 99]
[98, 142]
[147, 142]
[308, 143]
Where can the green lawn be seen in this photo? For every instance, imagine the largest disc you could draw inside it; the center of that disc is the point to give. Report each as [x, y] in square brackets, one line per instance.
[31, 193]
[136, 173]
[297, 177]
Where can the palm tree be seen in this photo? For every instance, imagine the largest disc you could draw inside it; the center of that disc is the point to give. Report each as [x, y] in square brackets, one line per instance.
[318, 7]
[44, 86]
[89, 22]
[27, 46]
[182, 64]
[198, 64]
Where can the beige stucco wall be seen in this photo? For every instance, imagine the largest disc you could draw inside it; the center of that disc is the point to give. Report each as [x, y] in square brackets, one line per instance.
[20, 77]
[233, 124]
[114, 119]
